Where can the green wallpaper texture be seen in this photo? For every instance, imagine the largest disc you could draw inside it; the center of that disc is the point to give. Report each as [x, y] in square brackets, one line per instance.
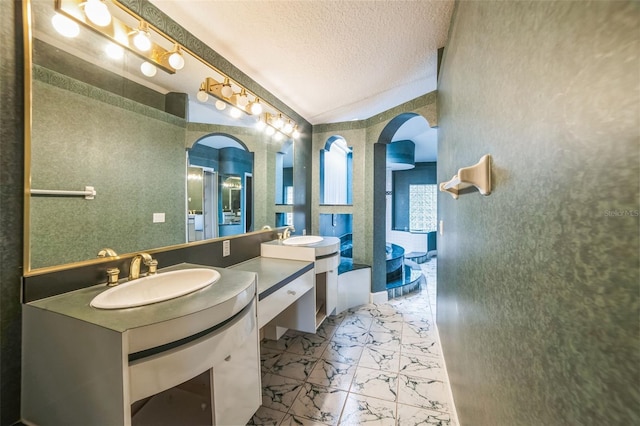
[538, 307]
[134, 157]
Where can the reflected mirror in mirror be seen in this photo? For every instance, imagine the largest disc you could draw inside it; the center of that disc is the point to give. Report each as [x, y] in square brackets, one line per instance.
[223, 209]
[98, 120]
[284, 173]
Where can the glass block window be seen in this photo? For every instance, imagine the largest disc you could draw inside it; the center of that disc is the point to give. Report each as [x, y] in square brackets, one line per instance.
[423, 210]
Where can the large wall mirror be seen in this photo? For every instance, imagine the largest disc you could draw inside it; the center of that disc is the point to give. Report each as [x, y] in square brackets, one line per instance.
[105, 123]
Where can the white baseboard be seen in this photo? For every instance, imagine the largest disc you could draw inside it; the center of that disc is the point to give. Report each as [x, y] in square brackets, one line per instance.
[379, 297]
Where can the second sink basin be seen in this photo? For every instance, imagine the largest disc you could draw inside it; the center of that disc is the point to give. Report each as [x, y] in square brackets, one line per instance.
[302, 240]
[155, 288]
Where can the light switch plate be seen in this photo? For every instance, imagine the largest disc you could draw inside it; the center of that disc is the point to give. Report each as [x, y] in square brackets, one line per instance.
[158, 218]
[226, 248]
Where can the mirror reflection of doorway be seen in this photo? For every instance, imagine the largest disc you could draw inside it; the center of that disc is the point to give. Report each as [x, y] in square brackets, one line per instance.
[202, 195]
[217, 184]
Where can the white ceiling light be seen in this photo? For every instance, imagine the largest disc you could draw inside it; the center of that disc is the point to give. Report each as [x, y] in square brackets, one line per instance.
[269, 130]
[97, 12]
[65, 26]
[278, 122]
[296, 133]
[288, 127]
[278, 136]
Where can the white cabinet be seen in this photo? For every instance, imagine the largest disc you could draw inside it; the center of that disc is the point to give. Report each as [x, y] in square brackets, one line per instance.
[237, 394]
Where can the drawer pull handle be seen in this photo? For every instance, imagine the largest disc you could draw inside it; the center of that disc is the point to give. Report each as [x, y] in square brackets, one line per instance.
[291, 292]
[228, 358]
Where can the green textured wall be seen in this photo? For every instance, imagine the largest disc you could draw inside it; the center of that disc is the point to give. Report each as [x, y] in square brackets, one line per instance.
[132, 154]
[538, 283]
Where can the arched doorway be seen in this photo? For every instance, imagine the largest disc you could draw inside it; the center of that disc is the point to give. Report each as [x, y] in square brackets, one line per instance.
[407, 148]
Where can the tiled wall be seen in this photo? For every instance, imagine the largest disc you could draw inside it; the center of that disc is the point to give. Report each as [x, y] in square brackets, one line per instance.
[538, 282]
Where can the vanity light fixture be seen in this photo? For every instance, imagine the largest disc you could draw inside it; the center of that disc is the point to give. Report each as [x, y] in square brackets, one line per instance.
[65, 26]
[242, 100]
[148, 69]
[176, 60]
[96, 15]
[141, 37]
[255, 107]
[97, 12]
[226, 90]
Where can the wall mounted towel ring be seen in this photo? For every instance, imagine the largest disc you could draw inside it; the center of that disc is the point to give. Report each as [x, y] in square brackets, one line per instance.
[478, 175]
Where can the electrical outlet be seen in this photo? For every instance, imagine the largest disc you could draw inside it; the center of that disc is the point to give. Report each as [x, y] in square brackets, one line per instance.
[226, 248]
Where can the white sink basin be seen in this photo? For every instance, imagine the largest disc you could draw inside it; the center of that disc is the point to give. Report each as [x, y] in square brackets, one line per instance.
[155, 288]
[303, 240]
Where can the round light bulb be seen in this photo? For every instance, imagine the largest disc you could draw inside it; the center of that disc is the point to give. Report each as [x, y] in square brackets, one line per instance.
[148, 69]
[235, 112]
[142, 41]
[226, 91]
[288, 127]
[269, 130]
[260, 124]
[176, 60]
[220, 105]
[65, 26]
[256, 108]
[202, 96]
[278, 136]
[278, 122]
[97, 12]
[243, 100]
[296, 133]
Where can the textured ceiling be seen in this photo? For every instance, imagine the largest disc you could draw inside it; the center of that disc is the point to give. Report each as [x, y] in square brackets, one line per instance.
[330, 61]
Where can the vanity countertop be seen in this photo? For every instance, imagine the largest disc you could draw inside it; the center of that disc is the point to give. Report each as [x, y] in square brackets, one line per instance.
[232, 284]
[327, 247]
[273, 273]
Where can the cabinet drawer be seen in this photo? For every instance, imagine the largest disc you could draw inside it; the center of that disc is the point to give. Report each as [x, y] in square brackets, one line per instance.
[272, 305]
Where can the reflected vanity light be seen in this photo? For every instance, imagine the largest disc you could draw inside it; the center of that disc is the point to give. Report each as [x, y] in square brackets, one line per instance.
[97, 12]
[96, 15]
[65, 26]
[235, 112]
[114, 51]
[148, 69]
[220, 105]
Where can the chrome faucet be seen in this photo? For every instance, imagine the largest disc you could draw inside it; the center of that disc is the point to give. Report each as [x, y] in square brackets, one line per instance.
[134, 268]
[287, 232]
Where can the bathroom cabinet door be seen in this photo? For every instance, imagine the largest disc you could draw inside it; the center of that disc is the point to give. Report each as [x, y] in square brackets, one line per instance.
[237, 391]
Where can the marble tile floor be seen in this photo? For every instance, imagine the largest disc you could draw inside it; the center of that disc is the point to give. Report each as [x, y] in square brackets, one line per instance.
[372, 365]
